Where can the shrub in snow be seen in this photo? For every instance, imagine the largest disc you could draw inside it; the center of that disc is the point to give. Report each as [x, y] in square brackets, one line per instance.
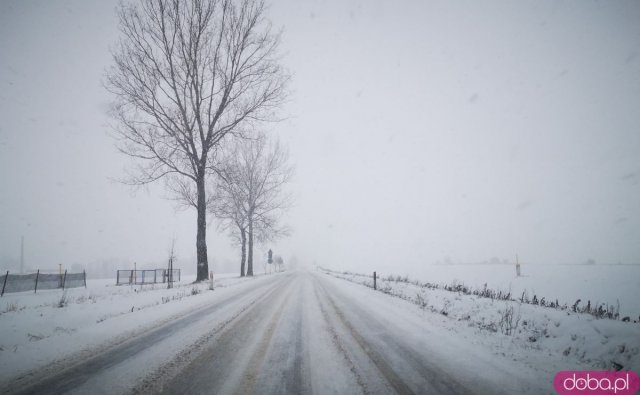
[63, 300]
[420, 300]
[445, 308]
[537, 333]
[508, 321]
[602, 311]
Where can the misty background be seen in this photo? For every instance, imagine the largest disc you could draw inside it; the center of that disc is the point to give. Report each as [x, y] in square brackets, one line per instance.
[422, 132]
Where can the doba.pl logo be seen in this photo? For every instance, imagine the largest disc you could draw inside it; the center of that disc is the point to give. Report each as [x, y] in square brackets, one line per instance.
[596, 383]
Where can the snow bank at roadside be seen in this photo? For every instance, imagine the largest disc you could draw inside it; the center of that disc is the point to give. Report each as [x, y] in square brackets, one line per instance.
[598, 283]
[532, 334]
[50, 325]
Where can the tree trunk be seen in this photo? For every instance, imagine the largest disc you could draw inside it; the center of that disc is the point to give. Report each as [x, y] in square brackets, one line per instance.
[243, 236]
[201, 235]
[250, 258]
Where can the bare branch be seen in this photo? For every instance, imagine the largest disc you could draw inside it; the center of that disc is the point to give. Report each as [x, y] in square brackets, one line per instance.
[250, 192]
[186, 74]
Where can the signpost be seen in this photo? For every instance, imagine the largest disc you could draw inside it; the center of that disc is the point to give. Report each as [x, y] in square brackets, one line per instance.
[270, 259]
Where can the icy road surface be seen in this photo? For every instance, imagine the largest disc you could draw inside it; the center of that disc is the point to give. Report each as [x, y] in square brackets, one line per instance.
[299, 332]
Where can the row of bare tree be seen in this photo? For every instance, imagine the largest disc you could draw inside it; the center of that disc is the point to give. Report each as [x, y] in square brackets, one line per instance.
[250, 197]
[192, 82]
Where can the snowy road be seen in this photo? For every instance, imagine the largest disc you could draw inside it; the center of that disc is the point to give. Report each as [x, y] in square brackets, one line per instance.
[299, 332]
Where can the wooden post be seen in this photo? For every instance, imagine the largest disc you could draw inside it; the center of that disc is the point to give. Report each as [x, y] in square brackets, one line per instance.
[374, 281]
[4, 284]
[64, 280]
[36, 287]
[84, 272]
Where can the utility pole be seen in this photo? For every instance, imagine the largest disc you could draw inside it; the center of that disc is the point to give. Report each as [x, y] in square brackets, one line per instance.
[170, 273]
[22, 255]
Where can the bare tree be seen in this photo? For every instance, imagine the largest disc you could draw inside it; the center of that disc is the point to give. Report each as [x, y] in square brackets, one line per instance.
[227, 204]
[187, 73]
[251, 196]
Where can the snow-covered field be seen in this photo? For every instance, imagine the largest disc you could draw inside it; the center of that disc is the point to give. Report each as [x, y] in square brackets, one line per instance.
[567, 283]
[38, 329]
[534, 335]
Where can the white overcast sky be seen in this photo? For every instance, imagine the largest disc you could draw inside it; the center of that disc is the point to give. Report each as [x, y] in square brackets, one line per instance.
[421, 131]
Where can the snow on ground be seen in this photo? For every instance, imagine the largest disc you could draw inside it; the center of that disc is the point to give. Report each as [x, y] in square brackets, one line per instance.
[457, 330]
[320, 334]
[540, 337]
[454, 358]
[567, 283]
[39, 328]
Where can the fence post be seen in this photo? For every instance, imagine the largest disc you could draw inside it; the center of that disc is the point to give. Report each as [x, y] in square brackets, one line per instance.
[64, 279]
[5, 282]
[374, 281]
[84, 272]
[37, 275]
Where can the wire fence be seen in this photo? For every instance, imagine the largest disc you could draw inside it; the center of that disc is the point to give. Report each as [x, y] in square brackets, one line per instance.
[35, 281]
[153, 276]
